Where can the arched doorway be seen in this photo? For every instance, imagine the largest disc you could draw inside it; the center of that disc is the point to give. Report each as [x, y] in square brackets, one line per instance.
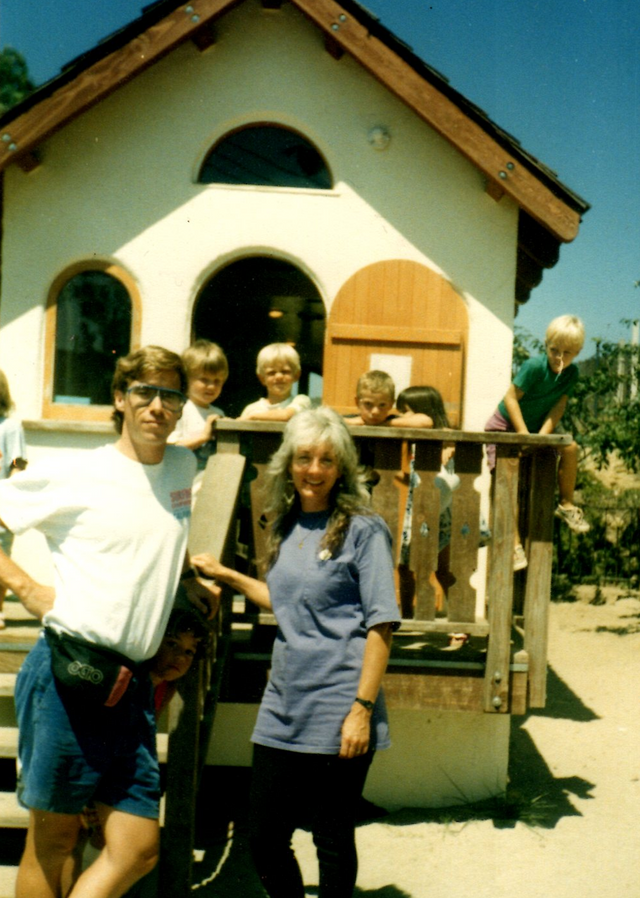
[255, 301]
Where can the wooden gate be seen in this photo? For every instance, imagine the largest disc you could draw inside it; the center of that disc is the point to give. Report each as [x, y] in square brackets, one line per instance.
[403, 309]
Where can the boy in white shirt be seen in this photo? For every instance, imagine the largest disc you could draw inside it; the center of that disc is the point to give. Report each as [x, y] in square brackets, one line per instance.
[278, 369]
[207, 371]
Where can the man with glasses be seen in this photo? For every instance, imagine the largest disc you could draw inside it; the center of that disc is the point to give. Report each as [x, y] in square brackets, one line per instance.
[116, 520]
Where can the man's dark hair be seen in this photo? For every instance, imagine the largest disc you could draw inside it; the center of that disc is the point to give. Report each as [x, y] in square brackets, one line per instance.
[139, 365]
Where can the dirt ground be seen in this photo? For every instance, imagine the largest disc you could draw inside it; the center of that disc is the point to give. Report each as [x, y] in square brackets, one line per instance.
[569, 826]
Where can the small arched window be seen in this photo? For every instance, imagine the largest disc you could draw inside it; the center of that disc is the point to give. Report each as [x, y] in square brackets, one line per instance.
[90, 324]
[266, 155]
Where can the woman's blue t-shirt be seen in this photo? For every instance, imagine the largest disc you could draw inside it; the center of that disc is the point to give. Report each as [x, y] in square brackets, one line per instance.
[324, 607]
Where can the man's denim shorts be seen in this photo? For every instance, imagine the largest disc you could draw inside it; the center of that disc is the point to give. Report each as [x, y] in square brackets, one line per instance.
[71, 753]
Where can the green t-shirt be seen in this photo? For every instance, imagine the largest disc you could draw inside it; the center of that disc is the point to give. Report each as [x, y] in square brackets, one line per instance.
[542, 389]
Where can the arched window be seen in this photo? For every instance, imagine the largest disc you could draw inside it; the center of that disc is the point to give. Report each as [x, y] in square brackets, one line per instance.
[90, 324]
[266, 155]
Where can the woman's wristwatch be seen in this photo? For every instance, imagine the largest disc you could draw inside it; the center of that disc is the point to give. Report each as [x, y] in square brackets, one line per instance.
[365, 703]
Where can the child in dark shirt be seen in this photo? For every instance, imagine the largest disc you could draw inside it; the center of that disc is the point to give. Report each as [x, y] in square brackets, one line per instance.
[535, 402]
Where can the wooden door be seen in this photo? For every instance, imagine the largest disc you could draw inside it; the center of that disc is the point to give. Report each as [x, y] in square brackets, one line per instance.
[396, 308]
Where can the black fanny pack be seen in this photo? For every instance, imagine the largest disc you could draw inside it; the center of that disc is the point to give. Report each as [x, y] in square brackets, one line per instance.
[87, 671]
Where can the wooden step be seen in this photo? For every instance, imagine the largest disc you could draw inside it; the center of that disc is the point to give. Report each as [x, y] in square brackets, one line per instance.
[12, 816]
[7, 684]
[9, 744]
[8, 881]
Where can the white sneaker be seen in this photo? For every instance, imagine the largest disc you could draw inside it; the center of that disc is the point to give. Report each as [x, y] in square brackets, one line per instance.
[573, 518]
[519, 558]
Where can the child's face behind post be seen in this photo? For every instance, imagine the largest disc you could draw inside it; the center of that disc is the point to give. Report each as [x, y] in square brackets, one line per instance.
[175, 656]
[374, 408]
[278, 378]
[205, 387]
[559, 355]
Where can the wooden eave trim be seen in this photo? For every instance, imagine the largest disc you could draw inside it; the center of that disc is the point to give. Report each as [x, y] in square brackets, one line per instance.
[23, 135]
[503, 171]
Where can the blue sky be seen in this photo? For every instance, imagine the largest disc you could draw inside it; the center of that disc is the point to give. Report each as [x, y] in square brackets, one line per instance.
[563, 76]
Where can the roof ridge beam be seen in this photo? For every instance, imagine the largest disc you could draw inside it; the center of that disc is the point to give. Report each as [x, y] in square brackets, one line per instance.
[22, 136]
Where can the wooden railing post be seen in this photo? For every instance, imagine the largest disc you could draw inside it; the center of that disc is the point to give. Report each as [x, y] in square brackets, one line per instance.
[538, 588]
[213, 524]
[500, 585]
[182, 781]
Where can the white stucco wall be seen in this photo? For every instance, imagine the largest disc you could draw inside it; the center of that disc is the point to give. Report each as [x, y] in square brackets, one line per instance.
[118, 184]
[436, 759]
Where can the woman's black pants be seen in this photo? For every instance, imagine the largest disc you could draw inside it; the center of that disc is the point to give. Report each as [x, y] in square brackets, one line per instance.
[290, 789]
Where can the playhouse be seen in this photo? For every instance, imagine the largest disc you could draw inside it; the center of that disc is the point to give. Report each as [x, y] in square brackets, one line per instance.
[263, 171]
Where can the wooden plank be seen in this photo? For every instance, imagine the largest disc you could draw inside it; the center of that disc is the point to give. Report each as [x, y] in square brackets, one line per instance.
[262, 448]
[465, 532]
[373, 333]
[8, 875]
[215, 507]
[500, 581]
[442, 114]
[434, 689]
[538, 587]
[106, 76]
[12, 816]
[176, 857]
[518, 684]
[8, 742]
[385, 498]
[425, 527]
[228, 428]
[7, 685]
[478, 628]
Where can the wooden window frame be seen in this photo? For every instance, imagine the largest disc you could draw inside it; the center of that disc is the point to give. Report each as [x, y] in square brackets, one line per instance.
[70, 412]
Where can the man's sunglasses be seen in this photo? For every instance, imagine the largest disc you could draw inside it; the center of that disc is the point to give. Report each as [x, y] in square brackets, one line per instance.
[144, 394]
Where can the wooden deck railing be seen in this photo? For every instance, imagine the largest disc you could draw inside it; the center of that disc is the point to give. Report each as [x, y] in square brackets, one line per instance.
[506, 681]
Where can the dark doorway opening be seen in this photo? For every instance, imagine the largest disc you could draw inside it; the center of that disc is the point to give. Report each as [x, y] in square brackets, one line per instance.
[253, 302]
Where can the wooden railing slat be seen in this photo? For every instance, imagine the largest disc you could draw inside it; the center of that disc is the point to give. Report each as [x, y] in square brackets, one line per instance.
[465, 532]
[538, 587]
[500, 584]
[425, 527]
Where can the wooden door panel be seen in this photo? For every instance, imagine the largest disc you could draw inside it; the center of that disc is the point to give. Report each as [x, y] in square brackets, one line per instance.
[397, 307]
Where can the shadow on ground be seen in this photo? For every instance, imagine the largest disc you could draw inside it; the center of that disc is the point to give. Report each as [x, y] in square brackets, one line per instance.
[534, 797]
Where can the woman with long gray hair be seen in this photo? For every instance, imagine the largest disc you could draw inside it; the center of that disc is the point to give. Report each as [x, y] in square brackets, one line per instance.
[322, 716]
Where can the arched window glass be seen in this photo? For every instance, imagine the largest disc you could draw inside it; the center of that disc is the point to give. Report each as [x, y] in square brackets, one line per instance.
[266, 155]
[93, 328]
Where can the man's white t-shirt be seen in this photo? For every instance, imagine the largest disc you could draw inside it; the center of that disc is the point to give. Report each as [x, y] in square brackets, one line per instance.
[117, 530]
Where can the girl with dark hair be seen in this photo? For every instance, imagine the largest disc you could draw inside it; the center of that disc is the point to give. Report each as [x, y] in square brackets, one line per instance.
[427, 401]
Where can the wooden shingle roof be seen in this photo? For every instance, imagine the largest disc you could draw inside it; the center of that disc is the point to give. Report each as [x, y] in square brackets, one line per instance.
[550, 213]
